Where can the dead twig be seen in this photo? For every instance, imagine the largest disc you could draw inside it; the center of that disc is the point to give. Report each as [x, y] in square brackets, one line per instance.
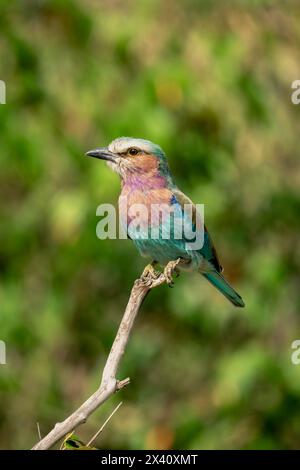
[103, 425]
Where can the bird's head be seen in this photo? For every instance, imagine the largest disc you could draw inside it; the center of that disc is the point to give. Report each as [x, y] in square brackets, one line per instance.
[128, 156]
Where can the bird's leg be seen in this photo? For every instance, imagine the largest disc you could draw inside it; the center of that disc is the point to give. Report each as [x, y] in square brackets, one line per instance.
[150, 271]
[176, 271]
[170, 269]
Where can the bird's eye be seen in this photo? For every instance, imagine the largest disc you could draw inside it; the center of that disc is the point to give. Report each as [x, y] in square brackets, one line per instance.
[132, 151]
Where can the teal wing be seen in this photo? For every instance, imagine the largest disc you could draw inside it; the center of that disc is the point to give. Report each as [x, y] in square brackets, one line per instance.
[210, 254]
[208, 250]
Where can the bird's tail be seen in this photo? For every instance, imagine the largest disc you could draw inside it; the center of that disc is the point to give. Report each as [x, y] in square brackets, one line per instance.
[217, 280]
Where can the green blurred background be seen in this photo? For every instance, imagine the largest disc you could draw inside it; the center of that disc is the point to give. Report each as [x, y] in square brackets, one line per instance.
[211, 83]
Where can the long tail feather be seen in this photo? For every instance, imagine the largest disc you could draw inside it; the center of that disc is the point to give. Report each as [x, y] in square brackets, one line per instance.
[217, 280]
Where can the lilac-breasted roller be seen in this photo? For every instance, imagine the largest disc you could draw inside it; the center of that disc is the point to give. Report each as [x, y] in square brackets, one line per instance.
[147, 182]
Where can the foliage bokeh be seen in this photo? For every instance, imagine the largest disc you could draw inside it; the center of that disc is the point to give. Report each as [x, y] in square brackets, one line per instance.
[211, 83]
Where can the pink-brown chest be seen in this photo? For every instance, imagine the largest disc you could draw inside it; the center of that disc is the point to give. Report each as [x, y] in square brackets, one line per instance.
[142, 200]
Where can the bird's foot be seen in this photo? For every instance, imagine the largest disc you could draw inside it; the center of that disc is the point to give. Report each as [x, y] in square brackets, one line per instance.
[170, 269]
[150, 273]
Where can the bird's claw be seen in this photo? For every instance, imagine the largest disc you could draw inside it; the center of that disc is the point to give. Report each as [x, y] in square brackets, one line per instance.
[169, 270]
[149, 273]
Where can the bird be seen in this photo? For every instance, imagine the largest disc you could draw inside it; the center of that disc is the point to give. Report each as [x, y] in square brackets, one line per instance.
[146, 181]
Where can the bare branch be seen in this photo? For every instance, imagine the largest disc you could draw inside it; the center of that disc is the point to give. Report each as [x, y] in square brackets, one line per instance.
[109, 384]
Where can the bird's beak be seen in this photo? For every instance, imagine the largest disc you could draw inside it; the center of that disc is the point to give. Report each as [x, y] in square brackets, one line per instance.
[103, 153]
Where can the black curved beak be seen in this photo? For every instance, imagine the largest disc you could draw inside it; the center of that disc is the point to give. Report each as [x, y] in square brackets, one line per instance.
[102, 153]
